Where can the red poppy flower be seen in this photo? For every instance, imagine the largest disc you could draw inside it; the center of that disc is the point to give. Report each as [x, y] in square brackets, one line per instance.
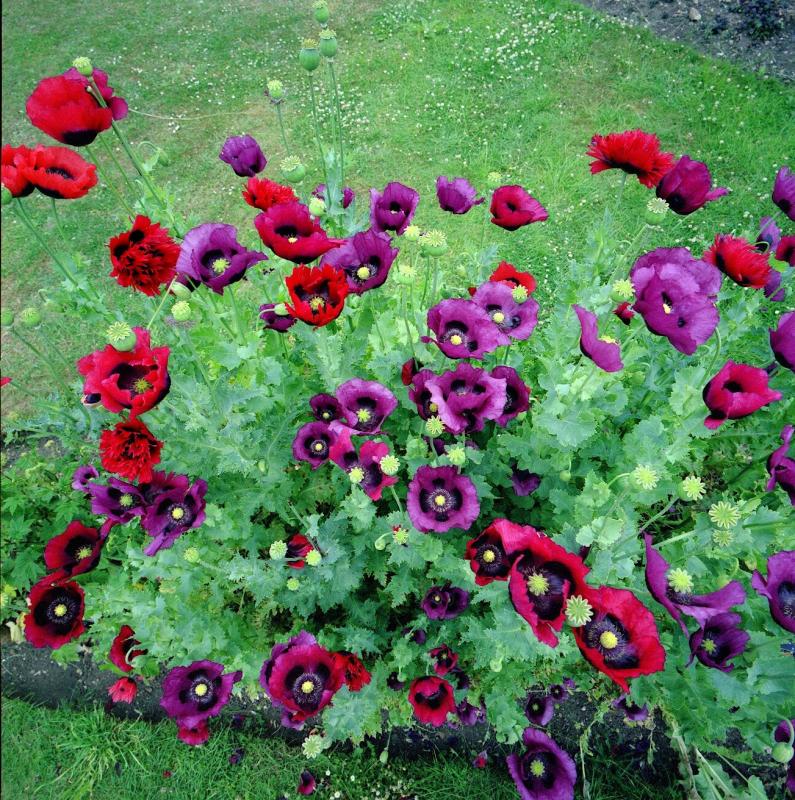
[292, 233]
[624, 313]
[14, 170]
[60, 172]
[144, 257]
[409, 369]
[56, 614]
[318, 293]
[432, 700]
[621, 639]
[298, 546]
[62, 107]
[134, 379]
[196, 735]
[121, 649]
[635, 152]
[740, 260]
[356, 674]
[73, 552]
[123, 691]
[130, 450]
[4, 381]
[491, 553]
[513, 207]
[736, 391]
[507, 273]
[262, 193]
[444, 658]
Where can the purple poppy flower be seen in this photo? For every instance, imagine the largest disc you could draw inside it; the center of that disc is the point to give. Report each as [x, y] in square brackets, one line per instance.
[368, 460]
[470, 715]
[784, 192]
[394, 683]
[783, 734]
[781, 467]
[524, 482]
[456, 196]
[544, 771]
[273, 321]
[706, 277]
[82, 476]
[306, 783]
[210, 254]
[779, 588]
[418, 635]
[244, 155]
[772, 288]
[769, 235]
[517, 395]
[539, 707]
[326, 408]
[365, 404]
[313, 443]
[632, 712]
[561, 692]
[365, 258]
[237, 756]
[466, 397]
[420, 393]
[460, 677]
[119, 500]
[687, 186]
[393, 209]
[605, 353]
[464, 329]
[445, 602]
[517, 320]
[719, 641]
[782, 340]
[174, 506]
[348, 194]
[677, 601]
[440, 498]
[194, 693]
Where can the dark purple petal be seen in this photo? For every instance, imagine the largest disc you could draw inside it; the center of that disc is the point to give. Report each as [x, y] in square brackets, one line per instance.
[605, 354]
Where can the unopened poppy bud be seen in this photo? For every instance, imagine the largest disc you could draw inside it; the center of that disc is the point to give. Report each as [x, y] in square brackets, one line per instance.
[317, 206]
[30, 317]
[309, 57]
[275, 90]
[6, 196]
[495, 665]
[783, 753]
[380, 542]
[313, 558]
[494, 180]
[389, 464]
[412, 233]
[83, 66]
[321, 11]
[180, 290]
[292, 169]
[192, 555]
[6, 317]
[433, 243]
[565, 475]
[278, 550]
[457, 456]
[328, 43]
[293, 584]
[121, 336]
[163, 157]
[181, 311]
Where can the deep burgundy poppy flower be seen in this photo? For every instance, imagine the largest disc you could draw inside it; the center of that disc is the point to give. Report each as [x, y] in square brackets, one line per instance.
[365, 258]
[393, 209]
[782, 734]
[782, 340]
[632, 712]
[56, 614]
[244, 155]
[784, 191]
[175, 506]
[740, 260]
[513, 207]
[298, 547]
[365, 404]
[517, 394]
[560, 692]
[677, 601]
[394, 683]
[348, 195]
[624, 313]
[237, 756]
[464, 329]
[122, 649]
[432, 700]
[543, 771]
[524, 482]
[409, 369]
[82, 476]
[211, 255]
[736, 391]
[119, 501]
[456, 196]
[621, 640]
[62, 107]
[440, 498]
[325, 408]
[785, 250]
[263, 194]
[123, 690]
[292, 233]
[306, 783]
[301, 678]
[194, 735]
[779, 588]
[445, 602]
[444, 659]
[14, 166]
[466, 397]
[273, 321]
[517, 320]
[539, 708]
[491, 553]
[343, 454]
[193, 694]
[75, 551]
[356, 674]
[604, 352]
[60, 173]
[469, 714]
[129, 449]
[781, 467]
[542, 578]
[635, 152]
[144, 257]
[719, 641]
[687, 186]
[318, 294]
[420, 393]
[507, 273]
[136, 380]
[416, 635]
[313, 443]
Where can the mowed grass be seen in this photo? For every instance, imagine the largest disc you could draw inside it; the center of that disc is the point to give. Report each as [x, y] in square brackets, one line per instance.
[456, 87]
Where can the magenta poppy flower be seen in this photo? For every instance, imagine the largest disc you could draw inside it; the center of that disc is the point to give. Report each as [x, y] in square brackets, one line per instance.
[513, 207]
[365, 404]
[117, 500]
[736, 391]
[605, 353]
[784, 192]
[543, 771]
[785, 250]
[772, 288]
[524, 482]
[517, 320]
[632, 711]
[687, 186]
[393, 209]
[432, 700]
[306, 783]
[244, 155]
[444, 602]
[325, 408]
[365, 258]
[779, 588]
[463, 329]
[193, 694]
[82, 476]
[456, 196]
[517, 395]
[782, 340]
[719, 641]
[440, 498]
[781, 467]
[445, 660]
[466, 397]
[420, 393]
[368, 460]
[174, 506]
[313, 443]
[348, 195]
[273, 321]
[293, 233]
[769, 235]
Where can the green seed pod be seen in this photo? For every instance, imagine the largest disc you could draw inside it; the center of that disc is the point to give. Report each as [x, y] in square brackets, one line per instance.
[121, 336]
[783, 753]
[328, 43]
[83, 66]
[317, 207]
[293, 170]
[30, 317]
[309, 57]
[321, 11]
[6, 317]
[181, 311]
[275, 90]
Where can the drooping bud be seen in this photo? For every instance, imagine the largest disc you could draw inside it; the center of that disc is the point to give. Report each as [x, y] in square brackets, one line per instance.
[83, 66]
[30, 317]
[180, 290]
[783, 753]
[121, 336]
[280, 309]
[309, 57]
[328, 43]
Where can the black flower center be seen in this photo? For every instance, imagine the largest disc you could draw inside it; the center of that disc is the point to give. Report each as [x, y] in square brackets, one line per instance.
[60, 172]
[607, 635]
[491, 559]
[786, 598]
[307, 686]
[59, 609]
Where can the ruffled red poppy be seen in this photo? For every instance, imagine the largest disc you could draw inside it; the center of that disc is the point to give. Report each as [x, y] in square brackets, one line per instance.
[491, 553]
[130, 450]
[298, 546]
[56, 614]
[635, 152]
[121, 649]
[445, 660]
[621, 639]
[14, 170]
[432, 700]
[123, 691]
[134, 379]
[507, 273]
[317, 293]
[73, 552]
[60, 173]
[740, 260]
[514, 207]
[144, 257]
[262, 193]
[356, 674]
[63, 108]
[292, 233]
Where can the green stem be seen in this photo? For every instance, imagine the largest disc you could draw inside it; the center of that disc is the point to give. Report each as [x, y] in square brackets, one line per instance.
[675, 539]
[408, 328]
[658, 515]
[122, 172]
[435, 280]
[715, 354]
[236, 312]
[316, 124]
[281, 128]
[111, 184]
[377, 325]
[159, 306]
[397, 499]
[339, 122]
[58, 225]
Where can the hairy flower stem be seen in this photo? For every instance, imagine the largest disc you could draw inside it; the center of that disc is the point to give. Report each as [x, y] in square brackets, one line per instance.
[715, 355]
[281, 128]
[239, 325]
[125, 177]
[316, 125]
[397, 499]
[408, 327]
[160, 305]
[197, 360]
[339, 122]
[659, 515]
